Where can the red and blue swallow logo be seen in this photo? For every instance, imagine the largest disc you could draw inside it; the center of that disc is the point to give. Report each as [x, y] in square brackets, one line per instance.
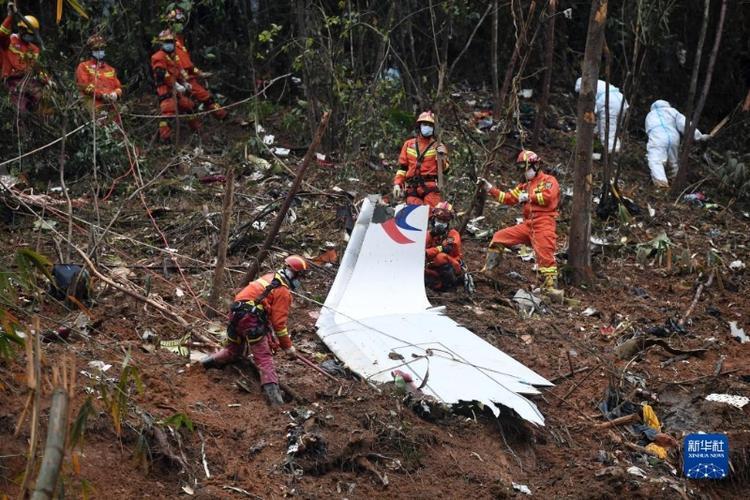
[393, 227]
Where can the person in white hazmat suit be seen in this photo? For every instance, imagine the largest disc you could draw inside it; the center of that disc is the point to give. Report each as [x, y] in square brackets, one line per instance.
[616, 101]
[664, 125]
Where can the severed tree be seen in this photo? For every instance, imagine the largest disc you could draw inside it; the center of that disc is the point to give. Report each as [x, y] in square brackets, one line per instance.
[579, 253]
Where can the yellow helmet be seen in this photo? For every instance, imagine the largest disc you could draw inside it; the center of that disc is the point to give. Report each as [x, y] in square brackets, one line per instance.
[426, 117]
[29, 23]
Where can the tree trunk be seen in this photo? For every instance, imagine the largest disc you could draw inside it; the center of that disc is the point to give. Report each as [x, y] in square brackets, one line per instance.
[54, 451]
[494, 56]
[509, 71]
[217, 285]
[683, 173]
[549, 52]
[579, 254]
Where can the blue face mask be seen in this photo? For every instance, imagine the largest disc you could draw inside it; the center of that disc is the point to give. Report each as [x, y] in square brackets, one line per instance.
[168, 47]
[98, 54]
[425, 130]
[28, 37]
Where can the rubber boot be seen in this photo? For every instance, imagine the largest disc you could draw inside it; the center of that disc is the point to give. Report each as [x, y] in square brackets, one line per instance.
[273, 394]
[549, 286]
[492, 261]
[228, 354]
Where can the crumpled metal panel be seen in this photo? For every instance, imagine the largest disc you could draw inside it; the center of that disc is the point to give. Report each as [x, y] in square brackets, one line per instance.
[377, 318]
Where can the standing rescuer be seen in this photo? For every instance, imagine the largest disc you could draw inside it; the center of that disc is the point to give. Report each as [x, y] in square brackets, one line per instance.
[172, 87]
[258, 317]
[540, 195]
[418, 165]
[97, 80]
[443, 254]
[177, 19]
[19, 57]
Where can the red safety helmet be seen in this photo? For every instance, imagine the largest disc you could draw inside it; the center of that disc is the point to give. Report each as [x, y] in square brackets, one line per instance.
[96, 42]
[443, 211]
[426, 117]
[297, 264]
[527, 156]
[166, 36]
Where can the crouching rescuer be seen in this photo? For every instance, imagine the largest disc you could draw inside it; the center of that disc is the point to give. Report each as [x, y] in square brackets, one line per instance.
[443, 256]
[540, 195]
[258, 319]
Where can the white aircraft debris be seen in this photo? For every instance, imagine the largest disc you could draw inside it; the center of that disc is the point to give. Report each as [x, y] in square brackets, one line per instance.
[377, 318]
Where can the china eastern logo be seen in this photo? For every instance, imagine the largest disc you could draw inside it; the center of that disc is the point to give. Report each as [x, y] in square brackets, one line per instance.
[394, 227]
[706, 456]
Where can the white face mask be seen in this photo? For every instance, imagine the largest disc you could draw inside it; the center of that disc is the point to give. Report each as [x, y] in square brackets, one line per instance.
[426, 130]
[98, 54]
[530, 174]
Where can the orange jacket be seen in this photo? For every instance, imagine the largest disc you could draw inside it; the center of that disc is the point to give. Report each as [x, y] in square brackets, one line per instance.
[183, 56]
[544, 196]
[411, 151]
[16, 56]
[276, 304]
[450, 244]
[97, 78]
[167, 72]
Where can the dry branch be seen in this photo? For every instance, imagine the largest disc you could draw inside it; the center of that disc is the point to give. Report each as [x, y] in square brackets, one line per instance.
[54, 450]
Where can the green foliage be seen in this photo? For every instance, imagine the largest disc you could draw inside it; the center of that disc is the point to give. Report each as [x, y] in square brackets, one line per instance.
[116, 397]
[178, 421]
[735, 174]
[78, 427]
[8, 335]
[30, 265]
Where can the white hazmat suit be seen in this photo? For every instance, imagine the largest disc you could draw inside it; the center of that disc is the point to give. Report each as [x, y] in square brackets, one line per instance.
[616, 101]
[664, 125]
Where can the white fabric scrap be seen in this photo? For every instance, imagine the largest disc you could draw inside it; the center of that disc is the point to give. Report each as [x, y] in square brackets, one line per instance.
[730, 399]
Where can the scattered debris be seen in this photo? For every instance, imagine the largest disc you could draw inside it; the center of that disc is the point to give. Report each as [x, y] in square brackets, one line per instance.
[737, 332]
[736, 401]
[281, 152]
[637, 471]
[736, 265]
[100, 365]
[522, 488]
[590, 311]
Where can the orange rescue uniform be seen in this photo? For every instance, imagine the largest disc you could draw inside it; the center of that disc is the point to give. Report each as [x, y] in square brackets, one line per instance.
[276, 305]
[17, 60]
[95, 79]
[538, 227]
[418, 171]
[167, 72]
[443, 256]
[191, 74]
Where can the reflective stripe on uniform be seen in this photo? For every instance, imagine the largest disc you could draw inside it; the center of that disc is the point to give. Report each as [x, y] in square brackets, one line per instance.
[548, 270]
[283, 333]
[4, 30]
[501, 196]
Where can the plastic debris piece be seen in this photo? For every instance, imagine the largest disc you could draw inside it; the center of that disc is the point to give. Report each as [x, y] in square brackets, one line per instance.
[526, 93]
[730, 399]
[737, 332]
[636, 471]
[527, 302]
[651, 211]
[283, 152]
[522, 488]
[269, 139]
[736, 265]
[100, 365]
[590, 311]
[188, 490]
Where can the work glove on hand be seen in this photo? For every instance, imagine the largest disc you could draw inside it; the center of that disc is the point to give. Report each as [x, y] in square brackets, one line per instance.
[188, 87]
[113, 96]
[485, 184]
[398, 191]
[11, 8]
[291, 353]
[179, 88]
[523, 197]
[704, 137]
[441, 150]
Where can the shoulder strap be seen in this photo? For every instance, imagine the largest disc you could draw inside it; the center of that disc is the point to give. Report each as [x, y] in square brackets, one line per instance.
[420, 156]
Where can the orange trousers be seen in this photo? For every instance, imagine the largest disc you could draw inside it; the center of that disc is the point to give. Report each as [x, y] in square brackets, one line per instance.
[169, 107]
[540, 232]
[443, 272]
[202, 95]
[425, 194]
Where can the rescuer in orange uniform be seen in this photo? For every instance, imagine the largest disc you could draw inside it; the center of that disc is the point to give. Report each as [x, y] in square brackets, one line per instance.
[19, 57]
[418, 165]
[97, 80]
[443, 256]
[540, 195]
[258, 317]
[171, 85]
[177, 19]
